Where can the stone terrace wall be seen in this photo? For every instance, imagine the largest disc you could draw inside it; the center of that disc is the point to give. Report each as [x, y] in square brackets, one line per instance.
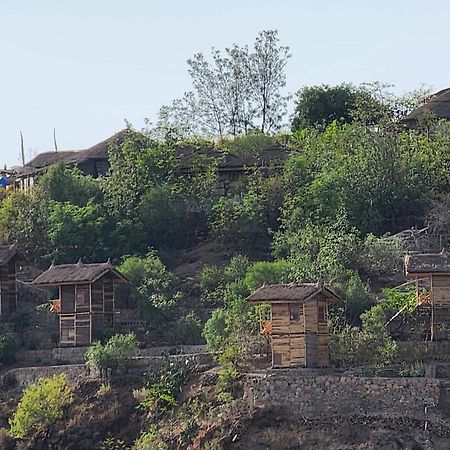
[76, 355]
[334, 395]
[23, 376]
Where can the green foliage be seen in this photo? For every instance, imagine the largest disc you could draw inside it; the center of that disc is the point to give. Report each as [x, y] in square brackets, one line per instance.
[371, 345]
[8, 348]
[112, 443]
[23, 219]
[249, 144]
[152, 283]
[162, 389]
[235, 92]
[267, 272]
[188, 330]
[115, 354]
[41, 405]
[319, 252]
[62, 183]
[368, 173]
[396, 300]
[71, 227]
[210, 278]
[411, 372]
[381, 256]
[149, 440]
[322, 105]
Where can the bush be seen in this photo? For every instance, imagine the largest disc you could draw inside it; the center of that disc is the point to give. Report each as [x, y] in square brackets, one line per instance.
[189, 330]
[162, 388]
[8, 347]
[115, 354]
[371, 345]
[210, 278]
[149, 440]
[42, 404]
[381, 256]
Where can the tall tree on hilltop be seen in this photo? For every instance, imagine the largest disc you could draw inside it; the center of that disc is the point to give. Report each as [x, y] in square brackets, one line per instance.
[238, 91]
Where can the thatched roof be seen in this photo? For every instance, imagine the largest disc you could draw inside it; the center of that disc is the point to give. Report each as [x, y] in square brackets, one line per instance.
[290, 293]
[231, 161]
[99, 151]
[438, 106]
[76, 273]
[422, 263]
[42, 161]
[7, 252]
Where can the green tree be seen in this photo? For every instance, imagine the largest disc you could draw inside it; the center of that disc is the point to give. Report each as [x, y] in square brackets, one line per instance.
[74, 231]
[237, 91]
[115, 354]
[41, 405]
[319, 106]
[63, 183]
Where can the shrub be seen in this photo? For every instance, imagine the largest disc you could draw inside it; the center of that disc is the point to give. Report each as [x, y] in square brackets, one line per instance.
[370, 345]
[210, 278]
[111, 443]
[381, 256]
[115, 354]
[42, 404]
[8, 347]
[189, 330]
[149, 440]
[162, 388]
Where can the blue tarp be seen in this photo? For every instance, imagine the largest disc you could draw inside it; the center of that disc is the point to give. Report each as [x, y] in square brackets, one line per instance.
[4, 181]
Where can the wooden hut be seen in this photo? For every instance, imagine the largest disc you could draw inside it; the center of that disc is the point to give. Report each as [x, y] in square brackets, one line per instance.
[431, 272]
[86, 299]
[299, 323]
[10, 260]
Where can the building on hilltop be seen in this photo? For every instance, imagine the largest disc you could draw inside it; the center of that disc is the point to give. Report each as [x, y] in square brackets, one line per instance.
[431, 272]
[92, 161]
[10, 262]
[298, 327]
[86, 303]
[437, 106]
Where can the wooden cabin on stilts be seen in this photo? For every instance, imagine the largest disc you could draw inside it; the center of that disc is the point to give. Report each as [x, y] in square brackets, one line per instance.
[298, 327]
[431, 272]
[86, 303]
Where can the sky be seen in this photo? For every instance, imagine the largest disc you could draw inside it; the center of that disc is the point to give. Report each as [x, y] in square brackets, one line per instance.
[83, 67]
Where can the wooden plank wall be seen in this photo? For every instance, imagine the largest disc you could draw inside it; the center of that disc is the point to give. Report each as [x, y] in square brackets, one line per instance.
[108, 293]
[324, 352]
[303, 341]
[441, 290]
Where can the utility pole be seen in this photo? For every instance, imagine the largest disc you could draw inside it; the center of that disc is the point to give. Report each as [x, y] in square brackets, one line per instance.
[22, 151]
[54, 139]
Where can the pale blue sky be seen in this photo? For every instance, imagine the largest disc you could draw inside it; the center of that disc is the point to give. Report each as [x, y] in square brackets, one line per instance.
[83, 66]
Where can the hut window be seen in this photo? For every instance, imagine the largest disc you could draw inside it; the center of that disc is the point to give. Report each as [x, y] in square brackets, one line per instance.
[322, 314]
[294, 313]
[82, 296]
